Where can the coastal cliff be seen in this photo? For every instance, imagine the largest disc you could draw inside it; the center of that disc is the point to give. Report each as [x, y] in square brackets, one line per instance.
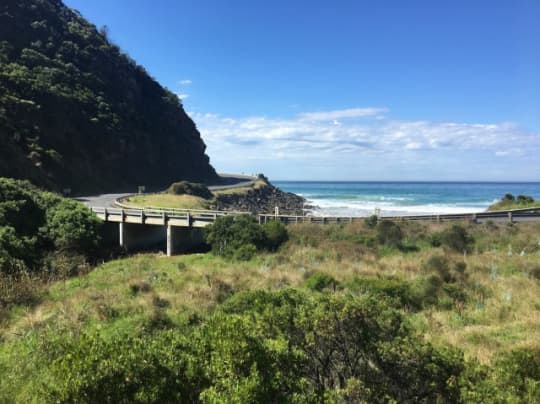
[77, 112]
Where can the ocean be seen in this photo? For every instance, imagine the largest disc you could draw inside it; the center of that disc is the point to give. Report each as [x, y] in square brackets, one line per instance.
[403, 198]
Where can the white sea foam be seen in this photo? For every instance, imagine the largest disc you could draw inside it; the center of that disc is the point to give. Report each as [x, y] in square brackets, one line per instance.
[329, 207]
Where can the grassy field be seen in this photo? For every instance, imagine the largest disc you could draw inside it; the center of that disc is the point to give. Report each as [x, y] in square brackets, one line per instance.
[492, 304]
[501, 311]
[168, 201]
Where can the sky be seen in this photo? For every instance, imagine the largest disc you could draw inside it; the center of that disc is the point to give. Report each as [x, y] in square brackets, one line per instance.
[347, 90]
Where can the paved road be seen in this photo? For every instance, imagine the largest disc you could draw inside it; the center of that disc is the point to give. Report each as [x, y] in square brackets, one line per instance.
[101, 201]
[233, 181]
[108, 200]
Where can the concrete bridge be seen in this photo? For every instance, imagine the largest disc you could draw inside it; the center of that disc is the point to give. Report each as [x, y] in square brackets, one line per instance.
[183, 229]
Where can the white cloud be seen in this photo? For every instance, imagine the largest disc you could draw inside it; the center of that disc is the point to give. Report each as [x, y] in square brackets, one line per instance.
[185, 82]
[342, 114]
[182, 96]
[363, 146]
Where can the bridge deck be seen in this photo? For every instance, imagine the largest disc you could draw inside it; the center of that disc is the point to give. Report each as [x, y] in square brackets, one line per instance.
[201, 218]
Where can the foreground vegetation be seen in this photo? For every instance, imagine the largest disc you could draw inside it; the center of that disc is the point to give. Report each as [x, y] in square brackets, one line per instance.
[365, 312]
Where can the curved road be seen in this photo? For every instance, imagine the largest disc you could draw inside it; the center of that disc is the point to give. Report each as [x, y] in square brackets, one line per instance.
[108, 200]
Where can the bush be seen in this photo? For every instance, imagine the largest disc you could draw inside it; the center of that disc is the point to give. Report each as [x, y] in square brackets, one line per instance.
[389, 234]
[72, 226]
[371, 221]
[229, 233]
[241, 236]
[275, 234]
[122, 369]
[518, 373]
[448, 271]
[318, 282]
[524, 199]
[190, 188]
[403, 293]
[345, 341]
[36, 225]
[508, 198]
[457, 238]
[245, 252]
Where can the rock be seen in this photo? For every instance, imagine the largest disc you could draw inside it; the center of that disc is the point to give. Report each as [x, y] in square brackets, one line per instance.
[263, 200]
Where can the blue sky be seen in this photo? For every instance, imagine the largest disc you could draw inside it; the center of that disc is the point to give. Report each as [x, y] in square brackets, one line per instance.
[347, 90]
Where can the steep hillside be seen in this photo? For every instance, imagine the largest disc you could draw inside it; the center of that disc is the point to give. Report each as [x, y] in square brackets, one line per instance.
[76, 112]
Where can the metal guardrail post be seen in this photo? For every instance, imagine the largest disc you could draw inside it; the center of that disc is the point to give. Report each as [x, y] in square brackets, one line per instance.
[510, 217]
[105, 215]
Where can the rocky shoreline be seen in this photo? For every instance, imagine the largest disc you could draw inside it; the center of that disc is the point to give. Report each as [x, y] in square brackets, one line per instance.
[263, 200]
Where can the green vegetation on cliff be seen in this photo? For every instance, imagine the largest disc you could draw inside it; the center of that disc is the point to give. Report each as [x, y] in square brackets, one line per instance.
[76, 112]
[510, 201]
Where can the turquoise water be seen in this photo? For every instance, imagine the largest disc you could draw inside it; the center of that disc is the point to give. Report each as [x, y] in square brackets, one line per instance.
[401, 198]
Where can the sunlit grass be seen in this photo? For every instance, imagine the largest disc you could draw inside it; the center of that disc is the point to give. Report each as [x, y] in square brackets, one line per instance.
[168, 201]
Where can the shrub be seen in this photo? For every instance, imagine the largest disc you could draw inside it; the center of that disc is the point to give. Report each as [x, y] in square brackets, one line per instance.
[72, 226]
[436, 240]
[403, 293]
[457, 238]
[508, 197]
[524, 199]
[448, 271]
[357, 340]
[389, 233]
[190, 188]
[122, 368]
[229, 233]
[35, 226]
[245, 252]
[241, 236]
[518, 373]
[319, 281]
[275, 234]
[371, 221]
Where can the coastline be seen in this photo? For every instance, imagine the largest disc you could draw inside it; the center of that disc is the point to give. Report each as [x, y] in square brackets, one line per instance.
[361, 199]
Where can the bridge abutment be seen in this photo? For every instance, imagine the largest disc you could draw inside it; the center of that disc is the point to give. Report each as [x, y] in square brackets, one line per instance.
[169, 239]
[181, 239]
[135, 236]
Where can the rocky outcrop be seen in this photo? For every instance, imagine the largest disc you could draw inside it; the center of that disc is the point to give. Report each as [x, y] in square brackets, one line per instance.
[262, 200]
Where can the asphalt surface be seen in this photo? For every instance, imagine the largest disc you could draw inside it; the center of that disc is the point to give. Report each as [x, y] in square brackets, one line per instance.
[108, 200]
